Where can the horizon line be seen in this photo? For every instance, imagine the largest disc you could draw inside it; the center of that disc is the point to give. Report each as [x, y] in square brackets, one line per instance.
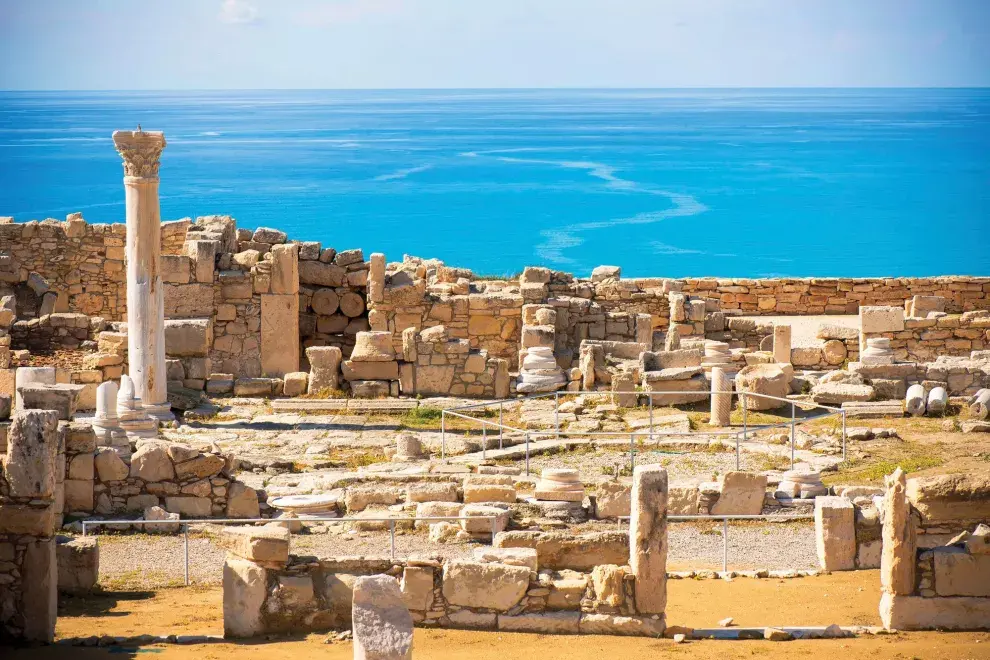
[525, 88]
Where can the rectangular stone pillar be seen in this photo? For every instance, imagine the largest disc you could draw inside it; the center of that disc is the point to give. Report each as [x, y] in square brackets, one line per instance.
[782, 343]
[279, 334]
[899, 555]
[648, 538]
[835, 533]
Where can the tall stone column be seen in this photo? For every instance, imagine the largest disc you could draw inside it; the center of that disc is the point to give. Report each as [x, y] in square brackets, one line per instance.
[648, 538]
[145, 296]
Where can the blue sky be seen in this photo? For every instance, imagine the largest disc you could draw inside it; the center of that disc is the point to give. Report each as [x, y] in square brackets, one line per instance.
[253, 44]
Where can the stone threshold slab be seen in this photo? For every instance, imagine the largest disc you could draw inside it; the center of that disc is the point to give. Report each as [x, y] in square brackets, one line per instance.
[337, 405]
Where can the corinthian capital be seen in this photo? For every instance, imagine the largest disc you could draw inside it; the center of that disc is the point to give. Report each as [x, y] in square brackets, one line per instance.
[140, 151]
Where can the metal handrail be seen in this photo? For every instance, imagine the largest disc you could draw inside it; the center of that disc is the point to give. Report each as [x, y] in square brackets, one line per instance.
[558, 432]
[208, 521]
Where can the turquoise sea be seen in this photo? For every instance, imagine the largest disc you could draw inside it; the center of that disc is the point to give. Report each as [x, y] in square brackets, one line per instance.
[744, 183]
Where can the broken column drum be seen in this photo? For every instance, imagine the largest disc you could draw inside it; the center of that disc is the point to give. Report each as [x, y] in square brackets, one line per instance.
[145, 295]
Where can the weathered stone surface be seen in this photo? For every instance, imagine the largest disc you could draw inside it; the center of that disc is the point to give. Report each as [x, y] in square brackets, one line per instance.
[902, 612]
[383, 628]
[478, 493]
[61, 397]
[188, 337]
[324, 368]
[78, 494]
[897, 561]
[373, 346]
[417, 587]
[874, 319]
[469, 620]
[39, 569]
[552, 623]
[204, 465]
[78, 563]
[612, 500]
[244, 590]
[648, 538]
[835, 533]
[109, 466]
[950, 497]
[32, 446]
[682, 501]
[607, 580]
[611, 624]
[962, 574]
[839, 393]
[151, 463]
[582, 552]
[242, 501]
[763, 379]
[482, 585]
[431, 492]
[279, 319]
[191, 507]
[27, 519]
[260, 544]
[742, 493]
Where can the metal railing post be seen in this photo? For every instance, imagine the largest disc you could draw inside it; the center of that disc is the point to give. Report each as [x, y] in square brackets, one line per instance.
[725, 545]
[443, 434]
[391, 532]
[527, 454]
[185, 535]
[745, 427]
[632, 451]
[737, 452]
[499, 424]
[650, 397]
[84, 528]
[494, 526]
[843, 435]
[484, 441]
[793, 431]
[556, 413]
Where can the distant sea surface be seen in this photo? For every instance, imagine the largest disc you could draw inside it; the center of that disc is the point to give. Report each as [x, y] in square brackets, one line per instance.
[730, 183]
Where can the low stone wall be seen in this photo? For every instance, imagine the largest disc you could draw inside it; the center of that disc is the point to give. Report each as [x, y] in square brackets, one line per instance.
[945, 586]
[923, 340]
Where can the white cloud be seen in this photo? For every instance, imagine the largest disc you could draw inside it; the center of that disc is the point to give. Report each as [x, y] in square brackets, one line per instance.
[238, 12]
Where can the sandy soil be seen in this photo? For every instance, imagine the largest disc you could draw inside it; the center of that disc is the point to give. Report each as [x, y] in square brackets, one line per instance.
[845, 598]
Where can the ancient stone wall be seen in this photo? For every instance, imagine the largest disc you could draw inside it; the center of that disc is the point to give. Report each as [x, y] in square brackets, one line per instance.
[29, 514]
[924, 340]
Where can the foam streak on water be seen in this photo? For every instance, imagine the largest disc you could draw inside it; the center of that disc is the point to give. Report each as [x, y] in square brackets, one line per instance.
[741, 183]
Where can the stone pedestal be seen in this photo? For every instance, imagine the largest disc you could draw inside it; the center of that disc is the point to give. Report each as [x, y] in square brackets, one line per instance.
[560, 485]
[877, 351]
[145, 294]
[648, 538]
[782, 343]
[132, 416]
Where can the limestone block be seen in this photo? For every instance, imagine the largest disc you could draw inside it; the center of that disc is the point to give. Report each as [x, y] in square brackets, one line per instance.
[489, 493]
[78, 495]
[602, 273]
[805, 356]
[190, 507]
[434, 379]
[317, 273]
[431, 492]
[510, 556]
[61, 397]
[269, 544]
[158, 513]
[188, 337]
[612, 500]
[373, 346]
[376, 277]
[553, 623]
[242, 501]
[244, 590]
[682, 501]
[324, 365]
[874, 320]
[27, 519]
[835, 533]
[382, 625]
[200, 467]
[782, 343]
[916, 613]
[436, 510]
[582, 552]
[175, 268]
[373, 389]
[279, 334]
[417, 587]
[741, 493]
[466, 619]
[251, 387]
[958, 573]
[370, 370]
[834, 352]
[607, 580]
[285, 269]
[29, 465]
[839, 393]
[151, 463]
[78, 562]
[767, 379]
[648, 538]
[612, 624]
[109, 466]
[203, 255]
[483, 585]
[358, 498]
[477, 518]
[951, 497]
[39, 569]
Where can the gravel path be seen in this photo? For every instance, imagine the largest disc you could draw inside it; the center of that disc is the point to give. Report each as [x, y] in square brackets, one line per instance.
[140, 561]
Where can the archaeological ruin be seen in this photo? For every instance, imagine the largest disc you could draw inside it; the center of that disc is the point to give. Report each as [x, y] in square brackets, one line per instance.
[521, 450]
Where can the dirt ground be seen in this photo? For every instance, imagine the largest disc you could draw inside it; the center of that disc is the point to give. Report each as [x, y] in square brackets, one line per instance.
[844, 598]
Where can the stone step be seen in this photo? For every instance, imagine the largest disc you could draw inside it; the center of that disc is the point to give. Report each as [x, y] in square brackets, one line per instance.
[873, 409]
[337, 405]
